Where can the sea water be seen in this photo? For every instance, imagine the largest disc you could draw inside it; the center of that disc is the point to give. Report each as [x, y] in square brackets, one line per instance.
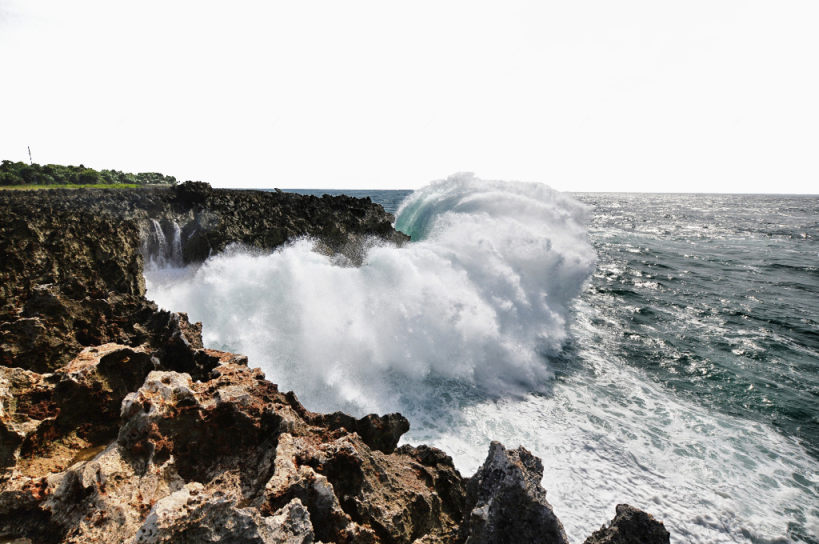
[658, 350]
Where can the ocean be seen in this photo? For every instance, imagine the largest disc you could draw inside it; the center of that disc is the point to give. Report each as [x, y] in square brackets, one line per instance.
[653, 349]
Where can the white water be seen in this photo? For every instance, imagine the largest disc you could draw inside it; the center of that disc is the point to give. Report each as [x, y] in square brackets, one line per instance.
[156, 250]
[176, 245]
[454, 330]
[476, 300]
[156, 238]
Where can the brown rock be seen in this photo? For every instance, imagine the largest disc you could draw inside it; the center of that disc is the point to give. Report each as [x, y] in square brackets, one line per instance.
[231, 458]
[48, 421]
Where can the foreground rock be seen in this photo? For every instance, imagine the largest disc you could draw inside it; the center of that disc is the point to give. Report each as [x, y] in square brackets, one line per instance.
[233, 458]
[505, 502]
[118, 425]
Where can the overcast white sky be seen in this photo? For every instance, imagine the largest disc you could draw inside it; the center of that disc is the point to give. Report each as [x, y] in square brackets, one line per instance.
[716, 95]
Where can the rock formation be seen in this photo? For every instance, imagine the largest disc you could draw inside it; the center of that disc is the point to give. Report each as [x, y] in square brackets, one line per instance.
[630, 526]
[118, 425]
[72, 260]
[506, 504]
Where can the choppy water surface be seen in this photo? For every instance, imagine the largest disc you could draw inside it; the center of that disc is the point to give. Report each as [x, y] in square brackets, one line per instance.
[680, 377]
[717, 298]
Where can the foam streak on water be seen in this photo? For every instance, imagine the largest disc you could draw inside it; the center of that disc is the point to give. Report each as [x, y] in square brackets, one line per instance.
[475, 332]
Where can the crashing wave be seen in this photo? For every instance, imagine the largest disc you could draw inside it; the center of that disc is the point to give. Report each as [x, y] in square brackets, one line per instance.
[477, 298]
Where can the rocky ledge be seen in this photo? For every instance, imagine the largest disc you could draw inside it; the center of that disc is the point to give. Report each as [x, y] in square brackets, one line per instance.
[117, 425]
[72, 260]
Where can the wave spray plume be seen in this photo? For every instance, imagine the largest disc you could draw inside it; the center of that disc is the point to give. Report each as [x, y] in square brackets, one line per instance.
[475, 299]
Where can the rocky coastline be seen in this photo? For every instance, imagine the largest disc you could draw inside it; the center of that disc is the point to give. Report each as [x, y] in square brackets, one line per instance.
[118, 425]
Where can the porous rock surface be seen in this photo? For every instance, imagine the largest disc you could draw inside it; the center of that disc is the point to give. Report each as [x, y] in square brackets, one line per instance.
[118, 425]
[229, 458]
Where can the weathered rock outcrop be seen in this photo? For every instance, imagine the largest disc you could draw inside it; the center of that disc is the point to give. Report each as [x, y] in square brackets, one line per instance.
[72, 260]
[230, 457]
[506, 504]
[118, 425]
[630, 526]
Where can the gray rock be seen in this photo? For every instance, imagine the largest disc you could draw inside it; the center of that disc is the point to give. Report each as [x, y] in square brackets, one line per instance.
[630, 526]
[506, 504]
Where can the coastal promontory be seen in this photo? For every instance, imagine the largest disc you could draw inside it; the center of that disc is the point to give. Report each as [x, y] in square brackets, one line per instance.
[118, 425]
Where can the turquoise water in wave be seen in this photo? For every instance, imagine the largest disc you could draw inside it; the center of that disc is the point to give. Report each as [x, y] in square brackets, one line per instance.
[715, 298]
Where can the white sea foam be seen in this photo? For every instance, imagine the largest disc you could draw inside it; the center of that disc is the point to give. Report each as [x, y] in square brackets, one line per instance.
[454, 330]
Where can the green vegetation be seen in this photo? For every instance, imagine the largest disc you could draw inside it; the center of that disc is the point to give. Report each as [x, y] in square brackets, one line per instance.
[71, 186]
[20, 174]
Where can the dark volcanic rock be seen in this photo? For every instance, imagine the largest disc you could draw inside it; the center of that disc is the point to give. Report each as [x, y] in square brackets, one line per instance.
[506, 504]
[379, 432]
[193, 192]
[71, 261]
[631, 526]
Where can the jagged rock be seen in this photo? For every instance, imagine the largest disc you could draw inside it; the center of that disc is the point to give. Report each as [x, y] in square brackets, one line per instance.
[631, 526]
[378, 432]
[225, 459]
[231, 459]
[71, 262]
[26, 404]
[49, 421]
[506, 504]
[101, 499]
[193, 515]
[193, 192]
[179, 345]
[291, 480]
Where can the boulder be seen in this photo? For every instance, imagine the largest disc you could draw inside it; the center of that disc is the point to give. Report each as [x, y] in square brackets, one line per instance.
[505, 502]
[631, 526]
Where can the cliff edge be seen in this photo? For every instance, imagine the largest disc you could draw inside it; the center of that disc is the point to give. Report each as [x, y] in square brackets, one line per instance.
[118, 425]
